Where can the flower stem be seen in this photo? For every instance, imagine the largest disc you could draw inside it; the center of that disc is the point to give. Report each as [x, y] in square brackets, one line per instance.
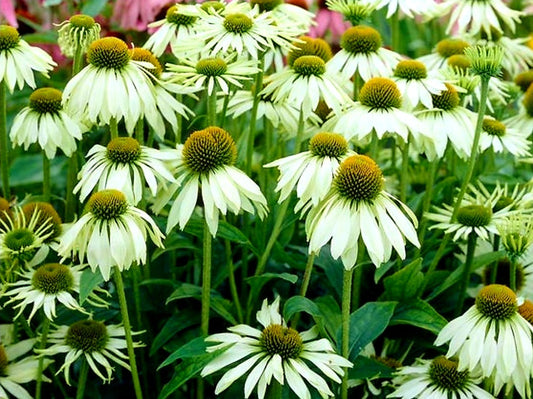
[253, 117]
[512, 273]
[127, 329]
[4, 150]
[346, 299]
[494, 268]
[46, 178]
[307, 274]
[40, 367]
[71, 200]
[212, 108]
[139, 131]
[113, 128]
[206, 279]
[428, 196]
[77, 61]
[84, 371]
[404, 177]
[470, 250]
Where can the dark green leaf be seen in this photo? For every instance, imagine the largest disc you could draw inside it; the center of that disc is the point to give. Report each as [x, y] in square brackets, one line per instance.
[419, 314]
[367, 368]
[196, 347]
[185, 290]
[93, 7]
[300, 304]
[331, 316]
[88, 282]
[405, 284]
[257, 282]
[195, 226]
[48, 37]
[174, 325]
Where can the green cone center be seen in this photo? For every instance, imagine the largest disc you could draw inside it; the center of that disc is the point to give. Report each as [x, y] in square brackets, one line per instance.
[361, 40]
[208, 149]
[326, 144]
[278, 340]
[107, 204]
[359, 178]
[87, 336]
[443, 372]
[46, 100]
[108, 53]
[123, 150]
[53, 278]
[497, 302]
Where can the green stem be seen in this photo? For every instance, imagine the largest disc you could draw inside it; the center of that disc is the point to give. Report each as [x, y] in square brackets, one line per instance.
[84, 371]
[72, 179]
[139, 131]
[428, 196]
[465, 279]
[356, 85]
[77, 62]
[404, 177]
[113, 128]
[212, 108]
[512, 273]
[253, 116]
[127, 329]
[40, 366]
[4, 144]
[206, 279]
[232, 283]
[225, 107]
[346, 299]
[307, 273]
[46, 178]
[395, 31]
[494, 269]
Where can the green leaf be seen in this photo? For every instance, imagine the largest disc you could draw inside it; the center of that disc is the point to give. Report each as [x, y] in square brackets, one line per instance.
[453, 278]
[174, 325]
[195, 226]
[367, 368]
[186, 370]
[419, 314]
[331, 316]
[48, 37]
[28, 169]
[300, 304]
[185, 290]
[257, 282]
[88, 282]
[172, 243]
[366, 324]
[405, 284]
[93, 7]
[196, 347]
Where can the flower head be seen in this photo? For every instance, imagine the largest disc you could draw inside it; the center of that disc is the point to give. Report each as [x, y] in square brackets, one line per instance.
[18, 60]
[205, 163]
[78, 32]
[93, 340]
[354, 11]
[485, 61]
[110, 233]
[275, 351]
[497, 136]
[358, 206]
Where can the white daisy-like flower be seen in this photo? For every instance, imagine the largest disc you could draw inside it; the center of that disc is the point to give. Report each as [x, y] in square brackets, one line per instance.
[205, 164]
[493, 337]
[305, 83]
[437, 379]
[289, 16]
[111, 233]
[523, 121]
[94, 341]
[45, 122]
[517, 198]
[354, 11]
[497, 136]
[415, 86]
[518, 56]
[362, 54]
[46, 285]
[357, 206]
[167, 106]
[447, 122]
[312, 171]
[410, 8]
[442, 51]
[213, 72]
[180, 23]
[275, 351]
[473, 217]
[378, 110]
[80, 30]
[124, 165]
[473, 16]
[19, 60]
[112, 86]
[13, 373]
[247, 32]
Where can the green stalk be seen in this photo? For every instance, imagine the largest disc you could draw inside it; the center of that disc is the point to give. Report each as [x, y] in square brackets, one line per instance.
[206, 279]
[346, 299]
[356, 85]
[40, 366]
[404, 177]
[428, 195]
[4, 145]
[84, 371]
[127, 328]
[465, 279]
[232, 283]
[512, 273]
[113, 128]
[77, 61]
[72, 179]
[253, 116]
[139, 131]
[46, 178]
[212, 108]
[494, 269]
[307, 273]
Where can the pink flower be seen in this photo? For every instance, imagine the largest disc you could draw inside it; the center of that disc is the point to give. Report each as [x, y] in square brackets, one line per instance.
[136, 14]
[329, 20]
[7, 12]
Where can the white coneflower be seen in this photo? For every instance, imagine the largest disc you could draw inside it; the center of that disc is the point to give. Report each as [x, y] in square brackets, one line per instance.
[111, 233]
[46, 285]
[289, 16]
[77, 32]
[205, 164]
[442, 51]
[124, 165]
[497, 136]
[45, 122]
[213, 72]
[415, 86]
[312, 171]
[275, 351]
[357, 206]
[410, 8]
[362, 53]
[93, 340]
[523, 121]
[354, 11]
[112, 86]
[493, 337]
[18, 60]
[180, 24]
[306, 83]
[437, 379]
